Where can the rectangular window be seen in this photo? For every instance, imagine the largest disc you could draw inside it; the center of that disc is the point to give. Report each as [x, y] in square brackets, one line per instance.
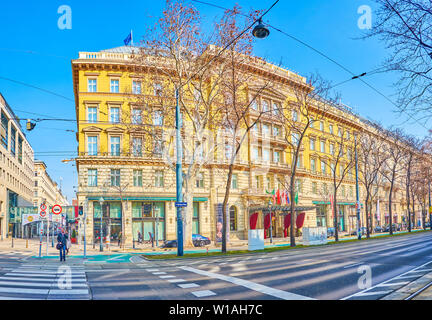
[294, 116]
[276, 109]
[265, 106]
[4, 130]
[323, 167]
[254, 105]
[258, 183]
[322, 149]
[115, 177]
[13, 141]
[276, 157]
[114, 87]
[313, 165]
[92, 177]
[137, 147]
[322, 126]
[158, 118]
[234, 181]
[20, 149]
[157, 147]
[332, 149]
[265, 130]
[92, 85]
[331, 128]
[92, 114]
[115, 115]
[136, 116]
[276, 131]
[159, 179]
[115, 146]
[137, 178]
[295, 138]
[136, 87]
[92, 146]
[312, 144]
[200, 180]
[314, 188]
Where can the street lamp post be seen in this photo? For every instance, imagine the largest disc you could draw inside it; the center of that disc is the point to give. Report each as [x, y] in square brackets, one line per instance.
[357, 190]
[84, 226]
[101, 201]
[179, 177]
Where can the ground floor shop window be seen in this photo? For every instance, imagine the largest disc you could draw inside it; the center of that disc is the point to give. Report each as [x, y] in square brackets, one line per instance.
[148, 219]
[341, 223]
[195, 218]
[321, 213]
[111, 220]
[233, 218]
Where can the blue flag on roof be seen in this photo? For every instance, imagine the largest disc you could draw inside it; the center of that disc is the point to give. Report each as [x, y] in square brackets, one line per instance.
[128, 40]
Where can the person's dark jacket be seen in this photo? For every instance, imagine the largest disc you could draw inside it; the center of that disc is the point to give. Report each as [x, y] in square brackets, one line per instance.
[62, 238]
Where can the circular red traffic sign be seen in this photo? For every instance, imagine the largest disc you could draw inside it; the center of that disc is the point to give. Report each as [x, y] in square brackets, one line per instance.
[43, 207]
[42, 214]
[56, 209]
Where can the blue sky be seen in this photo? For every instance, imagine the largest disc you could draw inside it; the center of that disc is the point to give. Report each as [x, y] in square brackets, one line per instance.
[330, 26]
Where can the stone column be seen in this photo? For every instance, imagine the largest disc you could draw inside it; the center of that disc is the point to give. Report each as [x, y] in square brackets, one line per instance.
[127, 207]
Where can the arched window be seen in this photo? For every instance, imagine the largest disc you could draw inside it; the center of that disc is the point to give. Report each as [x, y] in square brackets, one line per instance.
[233, 218]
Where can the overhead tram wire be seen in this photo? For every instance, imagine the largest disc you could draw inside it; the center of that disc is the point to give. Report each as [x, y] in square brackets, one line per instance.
[231, 42]
[326, 57]
[37, 88]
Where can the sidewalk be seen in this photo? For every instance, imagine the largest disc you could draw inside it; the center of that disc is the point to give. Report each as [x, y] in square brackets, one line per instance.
[31, 246]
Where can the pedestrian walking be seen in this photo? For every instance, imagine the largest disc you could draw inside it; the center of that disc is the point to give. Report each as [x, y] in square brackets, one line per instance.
[61, 245]
[139, 237]
[119, 238]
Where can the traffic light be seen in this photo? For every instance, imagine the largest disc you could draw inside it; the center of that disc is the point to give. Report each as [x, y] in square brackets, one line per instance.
[30, 125]
[80, 210]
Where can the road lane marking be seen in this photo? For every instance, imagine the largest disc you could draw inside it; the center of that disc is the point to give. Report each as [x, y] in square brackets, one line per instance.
[250, 285]
[157, 273]
[204, 293]
[374, 293]
[188, 285]
[166, 277]
[401, 276]
[353, 265]
[392, 284]
[177, 280]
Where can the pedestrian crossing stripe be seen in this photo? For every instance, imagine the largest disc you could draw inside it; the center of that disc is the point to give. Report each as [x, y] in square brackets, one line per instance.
[31, 282]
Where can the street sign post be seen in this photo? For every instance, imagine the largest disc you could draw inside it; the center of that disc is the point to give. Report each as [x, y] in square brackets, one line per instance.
[56, 209]
[181, 204]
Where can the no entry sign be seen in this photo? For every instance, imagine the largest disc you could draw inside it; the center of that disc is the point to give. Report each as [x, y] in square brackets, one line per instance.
[56, 209]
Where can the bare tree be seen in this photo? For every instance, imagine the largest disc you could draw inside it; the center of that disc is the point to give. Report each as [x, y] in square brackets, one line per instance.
[392, 168]
[309, 105]
[412, 146]
[341, 162]
[404, 25]
[177, 55]
[371, 160]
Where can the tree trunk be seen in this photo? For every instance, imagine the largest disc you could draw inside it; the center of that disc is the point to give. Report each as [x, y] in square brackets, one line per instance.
[224, 208]
[335, 217]
[390, 209]
[292, 230]
[367, 215]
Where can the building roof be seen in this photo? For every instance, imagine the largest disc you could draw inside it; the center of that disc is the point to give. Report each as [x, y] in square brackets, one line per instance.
[123, 49]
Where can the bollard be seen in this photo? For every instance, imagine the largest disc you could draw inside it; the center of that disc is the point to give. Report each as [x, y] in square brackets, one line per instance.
[26, 243]
[133, 243]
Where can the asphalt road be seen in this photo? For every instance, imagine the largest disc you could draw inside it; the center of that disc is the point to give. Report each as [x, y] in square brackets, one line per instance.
[334, 272]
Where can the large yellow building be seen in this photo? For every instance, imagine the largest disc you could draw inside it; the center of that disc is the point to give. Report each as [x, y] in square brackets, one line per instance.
[135, 190]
